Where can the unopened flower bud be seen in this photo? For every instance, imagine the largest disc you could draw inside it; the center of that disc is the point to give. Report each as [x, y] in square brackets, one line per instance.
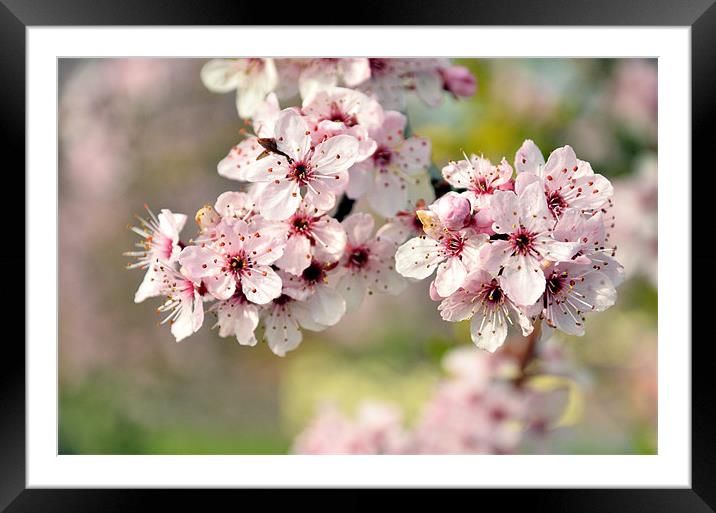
[206, 217]
[453, 210]
[459, 81]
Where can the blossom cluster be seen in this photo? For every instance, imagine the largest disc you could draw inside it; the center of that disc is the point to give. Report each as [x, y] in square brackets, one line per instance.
[281, 252]
[476, 409]
[278, 252]
[517, 247]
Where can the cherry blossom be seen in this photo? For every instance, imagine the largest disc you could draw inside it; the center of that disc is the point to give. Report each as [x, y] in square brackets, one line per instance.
[239, 256]
[184, 301]
[161, 245]
[368, 262]
[396, 161]
[525, 223]
[479, 177]
[321, 170]
[567, 181]
[237, 317]
[571, 291]
[482, 299]
[338, 111]
[452, 252]
[253, 79]
[310, 232]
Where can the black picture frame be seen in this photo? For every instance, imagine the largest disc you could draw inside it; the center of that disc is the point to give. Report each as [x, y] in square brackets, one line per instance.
[17, 15]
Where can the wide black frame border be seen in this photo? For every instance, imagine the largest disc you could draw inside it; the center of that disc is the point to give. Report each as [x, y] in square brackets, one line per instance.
[16, 15]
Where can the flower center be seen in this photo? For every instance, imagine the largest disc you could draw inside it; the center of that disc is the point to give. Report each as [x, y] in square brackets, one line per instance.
[300, 224]
[482, 187]
[382, 156]
[314, 273]
[341, 117]
[522, 241]
[238, 263]
[300, 172]
[454, 245]
[492, 294]
[282, 299]
[555, 202]
[358, 257]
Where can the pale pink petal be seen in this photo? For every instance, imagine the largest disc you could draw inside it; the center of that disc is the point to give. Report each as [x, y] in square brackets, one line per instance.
[388, 194]
[353, 289]
[261, 285]
[495, 254]
[240, 158]
[335, 154]
[523, 280]
[292, 135]
[488, 333]
[418, 257]
[450, 276]
[330, 238]
[296, 256]
[413, 156]
[279, 200]
[221, 286]
[360, 180]
[327, 306]
[359, 228]
[200, 262]
[505, 208]
[528, 158]
[456, 307]
[281, 331]
[533, 211]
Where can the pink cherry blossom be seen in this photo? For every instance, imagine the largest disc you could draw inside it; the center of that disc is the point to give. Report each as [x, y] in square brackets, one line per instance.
[320, 170]
[588, 230]
[527, 223]
[184, 301]
[253, 79]
[479, 177]
[482, 299]
[237, 317]
[283, 319]
[573, 290]
[368, 262]
[396, 161]
[161, 245]
[338, 111]
[239, 256]
[316, 287]
[453, 253]
[310, 232]
[567, 181]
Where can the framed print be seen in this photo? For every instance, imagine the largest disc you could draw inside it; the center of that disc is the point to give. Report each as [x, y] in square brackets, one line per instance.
[423, 254]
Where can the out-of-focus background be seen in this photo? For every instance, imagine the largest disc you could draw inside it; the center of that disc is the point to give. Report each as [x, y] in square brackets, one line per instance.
[135, 131]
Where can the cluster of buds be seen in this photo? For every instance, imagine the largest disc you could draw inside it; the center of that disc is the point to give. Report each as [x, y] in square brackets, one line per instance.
[282, 253]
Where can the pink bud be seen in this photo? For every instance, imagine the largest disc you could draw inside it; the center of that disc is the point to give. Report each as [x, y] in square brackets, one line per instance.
[453, 210]
[459, 81]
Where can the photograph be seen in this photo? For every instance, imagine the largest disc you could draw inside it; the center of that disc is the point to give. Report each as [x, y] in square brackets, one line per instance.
[357, 256]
